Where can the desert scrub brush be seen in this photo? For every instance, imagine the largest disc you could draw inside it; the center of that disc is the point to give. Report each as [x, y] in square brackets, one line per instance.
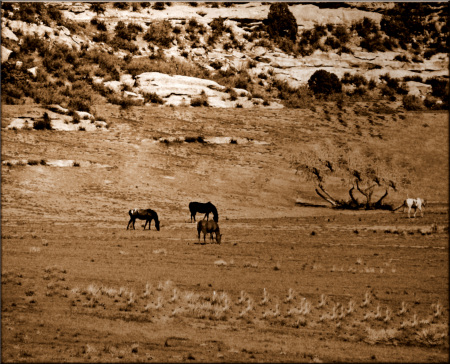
[214, 297]
[148, 290]
[131, 299]
[122, 291]
[290, 296]
[292, 311]
[243, 296]
[377, 315]
[342, 313]
[305, 307]
[177, 311]
[437, 309]
[388, 315]
[107, 291]
[334, 313]
[265, 298]
[174, 296]
[403, 310]
[367, 299]
[159, 303]
[351, 307]
[323, 301]
[191, 297]
[368, 315]
[276, 312]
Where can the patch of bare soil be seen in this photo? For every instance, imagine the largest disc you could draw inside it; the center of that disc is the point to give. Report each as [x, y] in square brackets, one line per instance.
[288, 283]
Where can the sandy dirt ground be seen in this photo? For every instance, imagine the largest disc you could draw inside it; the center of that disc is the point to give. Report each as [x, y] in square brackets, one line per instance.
[288, 283]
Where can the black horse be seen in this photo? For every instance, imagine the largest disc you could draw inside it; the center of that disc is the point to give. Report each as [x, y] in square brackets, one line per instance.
[148, 215]
[203, 208]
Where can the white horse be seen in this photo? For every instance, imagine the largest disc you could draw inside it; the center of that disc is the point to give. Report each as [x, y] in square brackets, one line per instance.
[412, 203]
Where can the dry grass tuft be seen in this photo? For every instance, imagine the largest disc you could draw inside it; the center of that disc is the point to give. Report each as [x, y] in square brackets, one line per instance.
[161, 251]
[220, 262]
[251, 264]
[381, 336]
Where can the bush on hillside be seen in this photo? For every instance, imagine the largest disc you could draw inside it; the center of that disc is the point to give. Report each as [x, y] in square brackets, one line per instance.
[43, 124]
[324, 83]
[412, 103]
[97, 7]
[355, 79]
[341, 33]
[121, 5]
[281, 22]
[160, 33]
[405, 21]
[127, 32]
[201, 100]
[153, 98]
[365, 27]
[440, 87]
[159, 5]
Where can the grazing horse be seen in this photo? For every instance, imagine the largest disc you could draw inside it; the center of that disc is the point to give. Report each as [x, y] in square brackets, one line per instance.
[210, 227]
[203, 208]
[143, 214]
[412, 203]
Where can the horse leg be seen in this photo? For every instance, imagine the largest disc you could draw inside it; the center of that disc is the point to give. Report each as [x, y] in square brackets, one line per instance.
[146, 221]
[129, 222]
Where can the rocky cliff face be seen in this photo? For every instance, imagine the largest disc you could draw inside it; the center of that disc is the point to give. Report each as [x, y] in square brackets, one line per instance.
[241, 19]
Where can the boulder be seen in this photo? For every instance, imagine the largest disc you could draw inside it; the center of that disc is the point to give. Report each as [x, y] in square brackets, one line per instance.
[133, 96]
[7, 33]
[58, 109]
[166, 85]
[418, 89]
[33, 71]
[5, 54]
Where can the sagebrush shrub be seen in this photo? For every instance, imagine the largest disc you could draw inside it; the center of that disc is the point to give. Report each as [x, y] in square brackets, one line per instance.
[412, 103]
[160, 33]
[42, 124]
[201, 100]
[281, 22]
[324, 83]
[153, 98]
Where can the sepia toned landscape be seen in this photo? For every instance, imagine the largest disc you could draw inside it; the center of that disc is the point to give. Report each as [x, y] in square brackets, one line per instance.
[315, 263]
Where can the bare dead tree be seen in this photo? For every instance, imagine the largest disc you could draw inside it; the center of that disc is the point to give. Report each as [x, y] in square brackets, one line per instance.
[365, 174]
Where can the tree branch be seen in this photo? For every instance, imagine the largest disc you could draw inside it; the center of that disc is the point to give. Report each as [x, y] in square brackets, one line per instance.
[331, 201]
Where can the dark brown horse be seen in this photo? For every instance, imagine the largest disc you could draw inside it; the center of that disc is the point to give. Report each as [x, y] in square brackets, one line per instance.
[148, 215]
[209, 227]
[203, 208]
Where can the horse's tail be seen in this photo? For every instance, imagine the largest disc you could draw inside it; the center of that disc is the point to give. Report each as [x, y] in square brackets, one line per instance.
[403, 204]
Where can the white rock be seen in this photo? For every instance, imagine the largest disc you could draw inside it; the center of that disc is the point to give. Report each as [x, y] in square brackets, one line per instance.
[7, 33]
[33, 71]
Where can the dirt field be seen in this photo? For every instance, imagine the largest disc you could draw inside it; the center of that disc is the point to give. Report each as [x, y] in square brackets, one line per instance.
[288, 283]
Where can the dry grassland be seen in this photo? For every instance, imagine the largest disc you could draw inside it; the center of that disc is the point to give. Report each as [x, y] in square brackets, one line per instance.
[288, 283]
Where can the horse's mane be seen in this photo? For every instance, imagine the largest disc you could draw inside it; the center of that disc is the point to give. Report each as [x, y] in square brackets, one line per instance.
[214, 211]
[154, 214]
